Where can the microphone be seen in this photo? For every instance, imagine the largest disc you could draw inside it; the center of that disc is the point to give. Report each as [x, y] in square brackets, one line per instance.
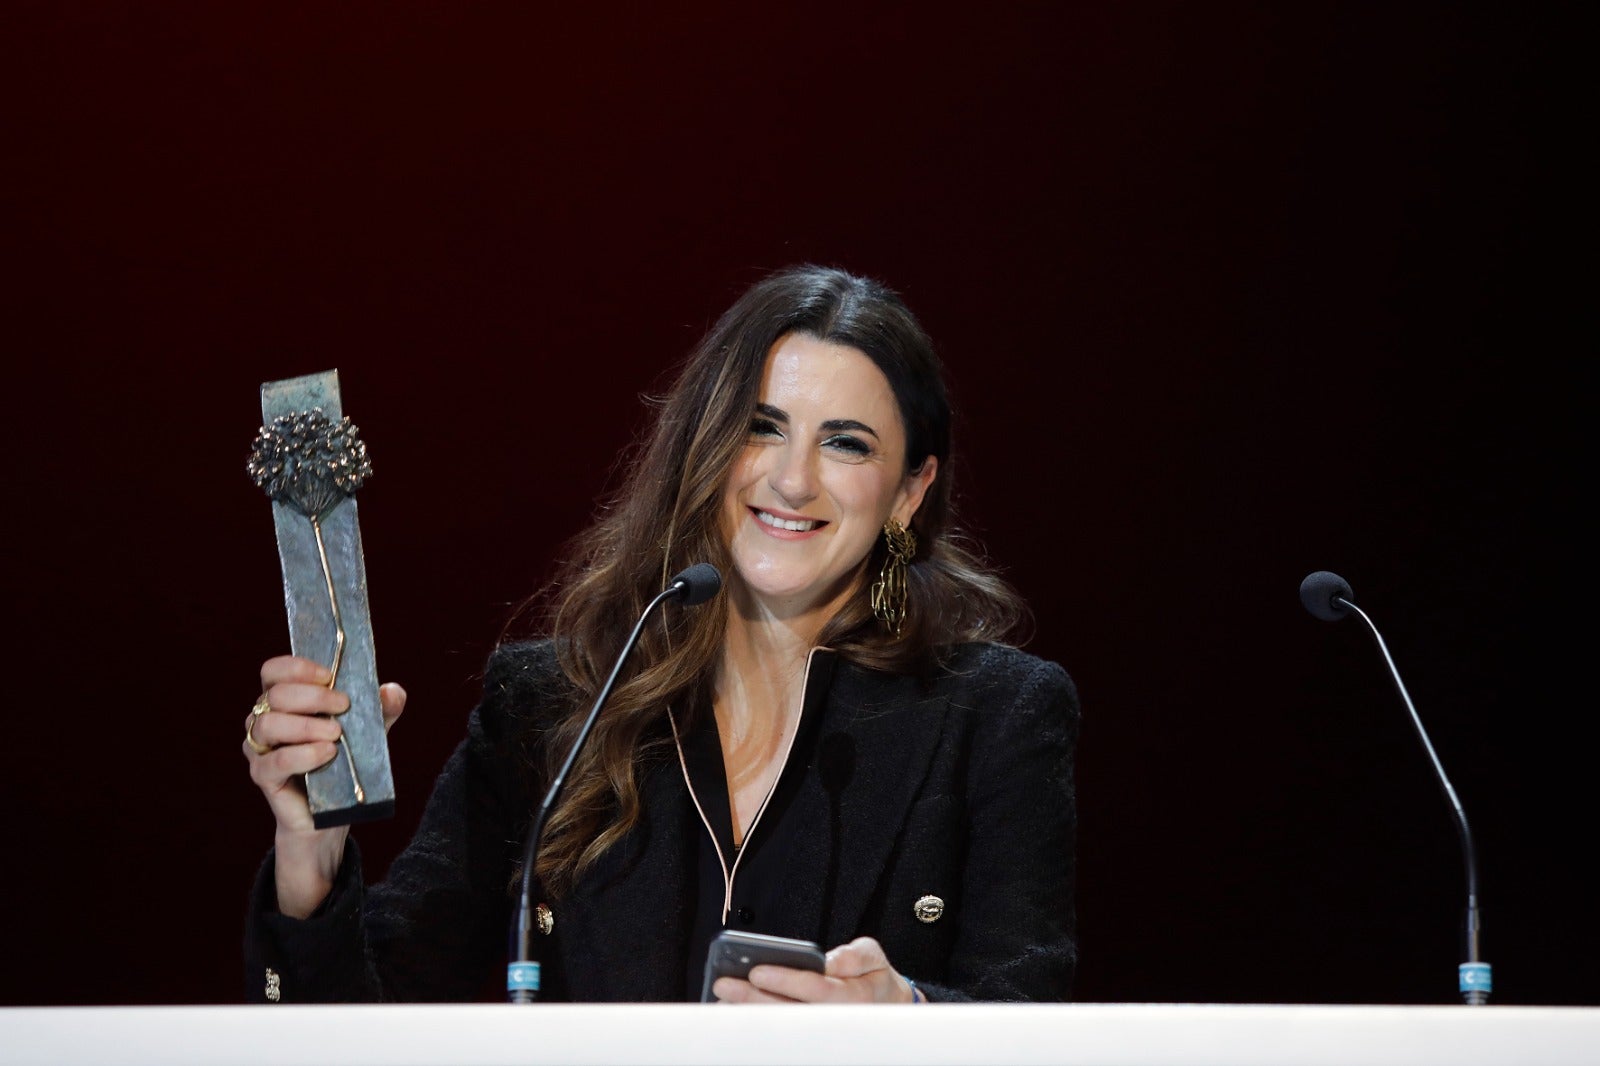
[1327, 596]
[695, 585]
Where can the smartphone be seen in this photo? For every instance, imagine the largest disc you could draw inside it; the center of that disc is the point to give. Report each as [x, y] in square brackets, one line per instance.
[733, 953]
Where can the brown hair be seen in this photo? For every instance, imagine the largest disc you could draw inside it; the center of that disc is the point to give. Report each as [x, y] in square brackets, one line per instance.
[665, 517]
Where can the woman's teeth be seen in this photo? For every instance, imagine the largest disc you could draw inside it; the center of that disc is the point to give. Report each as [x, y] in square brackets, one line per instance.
[784, 523]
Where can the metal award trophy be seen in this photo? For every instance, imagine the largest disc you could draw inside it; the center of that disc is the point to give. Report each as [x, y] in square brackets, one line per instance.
[310, 460]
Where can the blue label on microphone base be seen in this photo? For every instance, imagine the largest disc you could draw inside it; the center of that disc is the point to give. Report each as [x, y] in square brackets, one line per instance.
[522, 977]
[1475, 977]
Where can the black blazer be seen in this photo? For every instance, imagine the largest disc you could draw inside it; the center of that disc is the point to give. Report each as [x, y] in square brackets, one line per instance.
[959, 787]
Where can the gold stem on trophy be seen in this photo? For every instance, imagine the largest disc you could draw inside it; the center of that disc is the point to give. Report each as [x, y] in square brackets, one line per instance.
[338, 650]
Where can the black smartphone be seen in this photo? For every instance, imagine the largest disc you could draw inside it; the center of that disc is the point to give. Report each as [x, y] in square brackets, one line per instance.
[733, 953]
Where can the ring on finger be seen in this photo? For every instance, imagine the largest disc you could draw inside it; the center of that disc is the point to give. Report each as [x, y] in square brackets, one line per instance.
[261, 708]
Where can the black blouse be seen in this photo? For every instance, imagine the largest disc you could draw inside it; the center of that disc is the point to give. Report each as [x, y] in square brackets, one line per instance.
[755, 871]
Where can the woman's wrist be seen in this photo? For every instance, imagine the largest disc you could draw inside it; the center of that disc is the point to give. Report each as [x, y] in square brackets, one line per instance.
[917, 995]
[305, 868]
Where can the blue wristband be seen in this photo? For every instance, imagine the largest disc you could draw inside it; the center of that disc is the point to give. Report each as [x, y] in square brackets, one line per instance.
[916, 993]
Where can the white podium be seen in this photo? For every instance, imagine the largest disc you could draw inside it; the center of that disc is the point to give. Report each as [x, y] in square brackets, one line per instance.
[924, 1035]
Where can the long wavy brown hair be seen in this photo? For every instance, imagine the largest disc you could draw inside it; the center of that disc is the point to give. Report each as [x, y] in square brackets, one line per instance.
[665, 517]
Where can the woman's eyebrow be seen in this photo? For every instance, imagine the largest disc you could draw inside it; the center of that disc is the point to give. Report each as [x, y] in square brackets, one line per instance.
[832, 425]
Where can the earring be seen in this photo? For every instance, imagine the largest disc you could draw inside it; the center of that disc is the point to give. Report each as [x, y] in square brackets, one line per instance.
[889, 591]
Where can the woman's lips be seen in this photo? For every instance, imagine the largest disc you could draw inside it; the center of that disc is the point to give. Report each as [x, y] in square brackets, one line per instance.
[788, 528]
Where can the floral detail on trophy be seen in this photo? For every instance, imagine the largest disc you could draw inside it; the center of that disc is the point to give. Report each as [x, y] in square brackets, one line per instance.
[310, 462]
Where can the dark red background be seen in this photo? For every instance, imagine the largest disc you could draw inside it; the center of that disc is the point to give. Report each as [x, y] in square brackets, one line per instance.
[1228, 293]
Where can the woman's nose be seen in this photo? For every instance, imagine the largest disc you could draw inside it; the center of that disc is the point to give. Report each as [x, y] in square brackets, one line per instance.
[794, 475]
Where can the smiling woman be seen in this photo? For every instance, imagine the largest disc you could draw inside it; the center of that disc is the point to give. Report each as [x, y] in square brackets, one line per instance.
[840, 747]
[817, 483]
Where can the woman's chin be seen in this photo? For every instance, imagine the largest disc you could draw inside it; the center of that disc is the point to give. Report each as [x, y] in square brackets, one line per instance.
[778, 600]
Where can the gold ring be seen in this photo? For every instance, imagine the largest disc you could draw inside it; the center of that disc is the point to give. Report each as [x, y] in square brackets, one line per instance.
[261, 708]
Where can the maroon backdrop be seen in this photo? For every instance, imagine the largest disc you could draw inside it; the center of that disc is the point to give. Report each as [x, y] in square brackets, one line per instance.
[1228, 293]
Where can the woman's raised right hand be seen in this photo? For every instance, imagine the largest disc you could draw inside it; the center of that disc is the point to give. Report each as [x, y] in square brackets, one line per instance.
[295, 736]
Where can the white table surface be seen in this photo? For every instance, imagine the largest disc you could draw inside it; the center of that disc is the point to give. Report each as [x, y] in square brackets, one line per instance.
[934, 1034]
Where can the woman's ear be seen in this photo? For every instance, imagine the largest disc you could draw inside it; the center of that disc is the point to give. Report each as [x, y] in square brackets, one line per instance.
[914, 488]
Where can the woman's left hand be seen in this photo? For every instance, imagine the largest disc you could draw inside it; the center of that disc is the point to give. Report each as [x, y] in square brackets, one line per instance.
[857, 972]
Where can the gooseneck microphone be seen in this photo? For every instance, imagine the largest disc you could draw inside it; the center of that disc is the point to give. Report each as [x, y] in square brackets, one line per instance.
[693, 586]
[1328, 597]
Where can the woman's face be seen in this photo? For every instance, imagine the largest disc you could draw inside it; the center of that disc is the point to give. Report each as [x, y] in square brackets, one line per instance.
[823, 469]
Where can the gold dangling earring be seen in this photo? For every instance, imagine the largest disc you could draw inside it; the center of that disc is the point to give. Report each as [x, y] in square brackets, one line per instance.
[890, 590]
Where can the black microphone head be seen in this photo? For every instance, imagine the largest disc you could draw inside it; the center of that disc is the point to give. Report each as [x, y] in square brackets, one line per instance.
[697, 584]
[1321, 591]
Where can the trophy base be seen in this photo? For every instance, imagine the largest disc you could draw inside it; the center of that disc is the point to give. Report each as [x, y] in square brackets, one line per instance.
[361, 812]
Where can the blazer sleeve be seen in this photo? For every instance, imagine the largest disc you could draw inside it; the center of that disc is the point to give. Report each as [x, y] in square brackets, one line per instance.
[1017, 938]
[439, 920]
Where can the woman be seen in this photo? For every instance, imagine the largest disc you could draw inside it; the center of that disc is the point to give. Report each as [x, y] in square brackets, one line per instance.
[837, 747]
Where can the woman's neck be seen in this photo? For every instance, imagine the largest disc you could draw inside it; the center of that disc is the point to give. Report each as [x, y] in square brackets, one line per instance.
[761, 677]
[757, 697]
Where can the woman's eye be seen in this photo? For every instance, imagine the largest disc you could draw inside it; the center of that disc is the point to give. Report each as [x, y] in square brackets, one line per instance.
[848, 444]
[763, 427]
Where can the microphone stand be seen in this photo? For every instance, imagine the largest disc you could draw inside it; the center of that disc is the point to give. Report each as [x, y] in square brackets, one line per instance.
[1473, 976]
[1474, 973]
[522, 973]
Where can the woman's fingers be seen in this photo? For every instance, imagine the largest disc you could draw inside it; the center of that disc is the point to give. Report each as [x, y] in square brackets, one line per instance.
[393, 700]
[865, 969]
[293, 731]
[782, 984]
[298, 697]
[300, 710]
[734, 990]
[275, 729]
[857, 972]
[863, 955]
[292, 668]
[298, 731]
[291, 696]
[285, 764]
